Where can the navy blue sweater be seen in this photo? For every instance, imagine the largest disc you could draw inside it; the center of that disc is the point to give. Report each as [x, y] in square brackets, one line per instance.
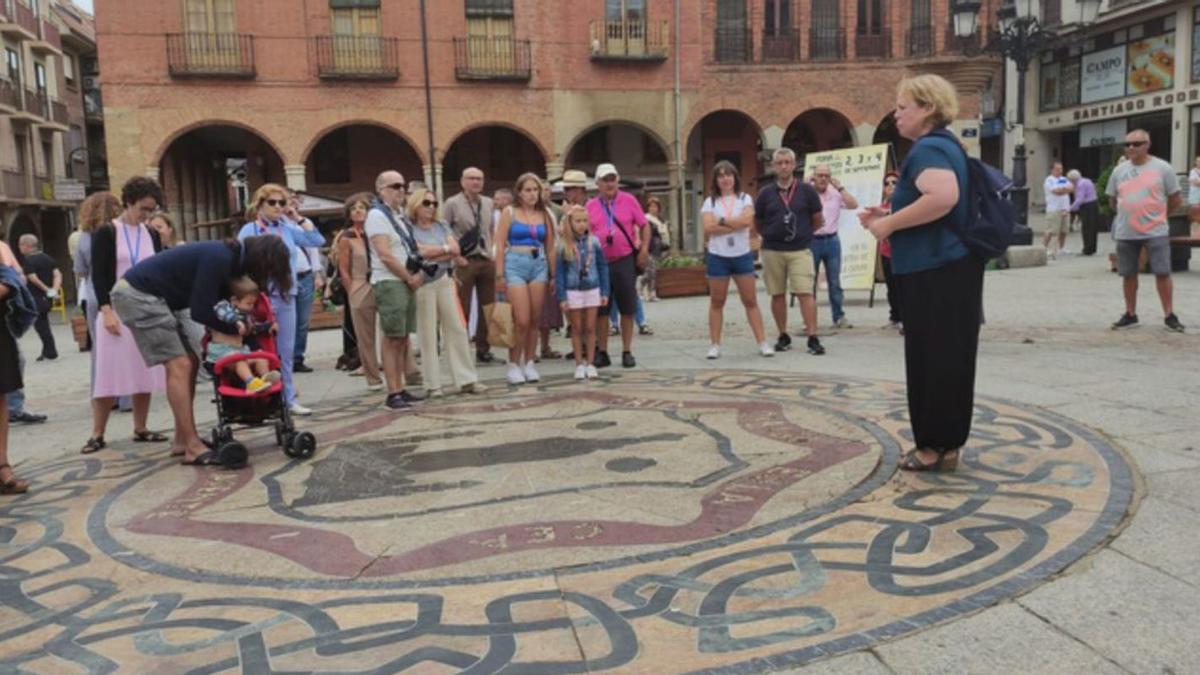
[192, 276]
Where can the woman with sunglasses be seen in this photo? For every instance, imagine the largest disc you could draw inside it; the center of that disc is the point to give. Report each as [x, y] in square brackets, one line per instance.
[438, 308]
[526, 233]
[885, 257]
[265, 214]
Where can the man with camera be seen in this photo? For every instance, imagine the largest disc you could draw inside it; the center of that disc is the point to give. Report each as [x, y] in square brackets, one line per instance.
[470, 216]
[396, 274]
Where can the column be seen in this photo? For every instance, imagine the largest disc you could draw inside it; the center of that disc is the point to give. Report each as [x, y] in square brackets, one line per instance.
[152, 172]
[427, 176]
[675, 204]
[555, 170]
[439, 187]
[296, 179]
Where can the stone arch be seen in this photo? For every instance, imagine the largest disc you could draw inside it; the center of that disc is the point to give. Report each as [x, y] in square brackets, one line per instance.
[346, 157]
[636, 149]
[818, 130]
[363, 121]
[887, 133]
[727, 134]
[200, 124]
[503, 151]
[517, 128]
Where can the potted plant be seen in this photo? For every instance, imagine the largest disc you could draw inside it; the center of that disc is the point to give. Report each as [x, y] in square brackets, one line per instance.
[681, 275]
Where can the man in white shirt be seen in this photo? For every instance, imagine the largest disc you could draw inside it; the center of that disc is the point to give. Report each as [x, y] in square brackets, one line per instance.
[1058, 189]
[309, 277]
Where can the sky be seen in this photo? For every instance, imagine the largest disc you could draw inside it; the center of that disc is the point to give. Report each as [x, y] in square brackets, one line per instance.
[86, 4]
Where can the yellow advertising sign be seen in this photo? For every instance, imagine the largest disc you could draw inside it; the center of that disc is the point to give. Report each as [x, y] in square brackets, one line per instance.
[860, 171]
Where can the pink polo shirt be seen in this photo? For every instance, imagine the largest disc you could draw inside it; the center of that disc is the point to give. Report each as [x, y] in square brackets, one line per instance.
[831, 208]
[629, 216]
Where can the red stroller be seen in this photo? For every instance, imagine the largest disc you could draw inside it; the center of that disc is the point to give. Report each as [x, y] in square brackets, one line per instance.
[236, 406]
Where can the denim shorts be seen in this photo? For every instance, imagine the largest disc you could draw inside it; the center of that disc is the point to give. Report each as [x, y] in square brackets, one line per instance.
[521, 269]
[722, 267]
[219, 350]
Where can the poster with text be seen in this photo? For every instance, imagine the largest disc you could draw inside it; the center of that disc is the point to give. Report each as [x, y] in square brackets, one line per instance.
[1103, 75]
[860, 171]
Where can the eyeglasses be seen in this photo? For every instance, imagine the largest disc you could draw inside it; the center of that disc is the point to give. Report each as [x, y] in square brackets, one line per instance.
[395, 186]
[1135, 144]
[889, 182]
[429, 203]
[275, 202]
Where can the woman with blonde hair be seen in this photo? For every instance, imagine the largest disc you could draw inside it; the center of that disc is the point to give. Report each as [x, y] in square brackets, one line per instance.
[524, 235]
[164, 225]
[939, 280]
[438, 308]
[99, 208]
[266, 215]
[354, 266]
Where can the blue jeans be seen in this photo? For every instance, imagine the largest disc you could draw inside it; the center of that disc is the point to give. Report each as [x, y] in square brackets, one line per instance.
[304, 303]
[828, 250]
[639, 317]
[16, 397]
[285, 341]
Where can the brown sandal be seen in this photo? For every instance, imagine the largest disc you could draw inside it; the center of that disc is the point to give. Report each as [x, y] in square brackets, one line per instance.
[93, 445]
[946, 461]
[14, 485]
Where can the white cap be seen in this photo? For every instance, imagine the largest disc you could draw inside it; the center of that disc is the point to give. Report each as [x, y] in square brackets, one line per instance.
[606, 169]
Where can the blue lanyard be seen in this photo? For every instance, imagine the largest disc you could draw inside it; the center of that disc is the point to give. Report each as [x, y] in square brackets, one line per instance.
[611, 217]
[134, 254]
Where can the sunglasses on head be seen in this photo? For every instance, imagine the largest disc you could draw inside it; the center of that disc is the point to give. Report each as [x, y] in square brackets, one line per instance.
[429, 202]
[396, 186]
[275, 202]
[1135, 144]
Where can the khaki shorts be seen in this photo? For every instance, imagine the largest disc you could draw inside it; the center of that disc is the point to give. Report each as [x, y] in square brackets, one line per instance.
[159, 333]
[1057, 222]
[785, 271]
[397, 305]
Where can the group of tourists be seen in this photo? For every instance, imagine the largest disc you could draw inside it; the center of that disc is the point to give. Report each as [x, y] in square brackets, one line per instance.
[409, 266]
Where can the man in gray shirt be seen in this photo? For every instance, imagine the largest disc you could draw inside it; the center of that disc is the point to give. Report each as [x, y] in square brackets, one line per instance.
[1143, 191]
[469, 214]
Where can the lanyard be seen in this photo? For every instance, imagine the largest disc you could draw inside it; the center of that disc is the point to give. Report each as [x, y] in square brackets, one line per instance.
[787, 201]
[611, 217]
[135, 254]
[725, 206]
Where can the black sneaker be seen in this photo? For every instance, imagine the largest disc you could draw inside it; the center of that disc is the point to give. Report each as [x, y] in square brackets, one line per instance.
[601, 359]
[1126, 321]
[301, 368]
[407, 397]
[396, 402]
[1172, 322]
[784, 342]
[814, 346]
[627, 360]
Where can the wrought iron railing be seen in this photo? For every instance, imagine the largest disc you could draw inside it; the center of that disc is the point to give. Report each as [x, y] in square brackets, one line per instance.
[35, 104]
[8, 95]
[51, 35]
[16, 184]
[629, 40]
[492, 58]
[920, 41]
[357, 57]
[781, 44]
[24, 17]
[58, 112]
[733, 44]
[827, 43]
[210, 55]
[873, 46]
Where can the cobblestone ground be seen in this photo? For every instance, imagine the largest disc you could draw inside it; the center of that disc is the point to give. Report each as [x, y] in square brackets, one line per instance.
[739, 515]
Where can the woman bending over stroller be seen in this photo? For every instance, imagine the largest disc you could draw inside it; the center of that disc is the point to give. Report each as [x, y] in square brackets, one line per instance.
[237, 311]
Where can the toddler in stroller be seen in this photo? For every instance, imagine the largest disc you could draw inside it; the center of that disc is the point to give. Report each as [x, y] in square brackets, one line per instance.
[247, 383]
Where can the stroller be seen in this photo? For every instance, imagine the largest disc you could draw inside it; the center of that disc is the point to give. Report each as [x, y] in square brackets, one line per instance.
[236, 406]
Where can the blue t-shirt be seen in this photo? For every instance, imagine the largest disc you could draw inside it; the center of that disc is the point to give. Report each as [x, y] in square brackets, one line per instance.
[929, 246]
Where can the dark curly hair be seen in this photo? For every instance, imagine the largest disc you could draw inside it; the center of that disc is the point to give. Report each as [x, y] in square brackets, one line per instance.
[365, 198]
[140, 187]
[266, 260]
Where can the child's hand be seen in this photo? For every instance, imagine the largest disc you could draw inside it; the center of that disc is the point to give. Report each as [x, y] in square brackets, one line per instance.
[274, 328]
[604, 302]
[242, 330]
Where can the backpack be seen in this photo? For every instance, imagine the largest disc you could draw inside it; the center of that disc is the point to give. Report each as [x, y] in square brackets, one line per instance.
[991, 217]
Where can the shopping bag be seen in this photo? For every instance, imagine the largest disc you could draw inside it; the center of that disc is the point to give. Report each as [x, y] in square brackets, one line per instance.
[501, 331]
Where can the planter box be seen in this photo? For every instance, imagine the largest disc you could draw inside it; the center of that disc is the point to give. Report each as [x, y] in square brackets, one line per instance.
[677, 282]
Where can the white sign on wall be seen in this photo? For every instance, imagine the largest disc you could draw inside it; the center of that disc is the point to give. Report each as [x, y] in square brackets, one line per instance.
[1103, 75]
[1098, 134]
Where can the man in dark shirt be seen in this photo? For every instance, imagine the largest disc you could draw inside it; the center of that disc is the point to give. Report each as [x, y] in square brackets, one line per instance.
[45, 282]
[786, 214]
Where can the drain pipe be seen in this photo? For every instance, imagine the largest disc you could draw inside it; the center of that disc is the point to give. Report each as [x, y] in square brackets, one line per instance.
[433, 178]
[680, 221]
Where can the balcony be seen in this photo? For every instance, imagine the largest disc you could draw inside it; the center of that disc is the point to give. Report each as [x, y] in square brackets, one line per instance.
[9, 100]
[877, 46]
[733, 44]
[781, 44]
[828, 44]
[492, 58]
[357, 57]
[58, 114]
[629, 41]
[19, 21]
[210, 55]
[920, 41]
[14, 184]
[36, 104]
[50, 40]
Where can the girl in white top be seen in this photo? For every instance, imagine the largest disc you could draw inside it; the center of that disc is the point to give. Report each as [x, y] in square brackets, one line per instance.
[1193, 195]
[728, 215]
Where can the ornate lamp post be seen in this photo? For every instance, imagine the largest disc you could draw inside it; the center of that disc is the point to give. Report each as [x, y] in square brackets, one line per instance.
[1020, 37]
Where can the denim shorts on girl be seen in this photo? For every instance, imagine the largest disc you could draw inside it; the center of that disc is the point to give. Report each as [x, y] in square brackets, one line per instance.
[583, 299]
[721, 267]
[523, 267]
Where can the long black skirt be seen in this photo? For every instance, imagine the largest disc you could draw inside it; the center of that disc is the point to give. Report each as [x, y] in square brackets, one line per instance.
[10, 358]
[942, 312]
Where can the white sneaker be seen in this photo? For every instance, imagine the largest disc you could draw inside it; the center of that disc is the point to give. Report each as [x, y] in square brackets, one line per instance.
[531, 373]
[515, 374]
[591, 371]
[375, 387]
[843, 322]
[297, 409]
[765, 349]
[714, 352]
[580, 372]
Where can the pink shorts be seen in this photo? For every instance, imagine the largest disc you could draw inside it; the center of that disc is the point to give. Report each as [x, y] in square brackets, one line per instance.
[583, 299]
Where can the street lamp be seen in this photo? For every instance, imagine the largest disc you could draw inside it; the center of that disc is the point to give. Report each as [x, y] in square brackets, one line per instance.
[1020, 37]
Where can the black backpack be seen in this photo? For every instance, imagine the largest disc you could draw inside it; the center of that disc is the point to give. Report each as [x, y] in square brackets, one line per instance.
[991, 217]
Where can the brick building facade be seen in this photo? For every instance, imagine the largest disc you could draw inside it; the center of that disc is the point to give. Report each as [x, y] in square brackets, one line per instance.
[216, 96]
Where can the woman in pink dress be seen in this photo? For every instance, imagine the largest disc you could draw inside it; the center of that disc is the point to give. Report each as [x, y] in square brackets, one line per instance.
[120, 370]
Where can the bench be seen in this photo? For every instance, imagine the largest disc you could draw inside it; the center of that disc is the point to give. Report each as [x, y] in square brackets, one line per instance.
[1185, 242]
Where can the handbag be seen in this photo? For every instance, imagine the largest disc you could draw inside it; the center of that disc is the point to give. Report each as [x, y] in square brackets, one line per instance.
[501, 329]
[638, 265]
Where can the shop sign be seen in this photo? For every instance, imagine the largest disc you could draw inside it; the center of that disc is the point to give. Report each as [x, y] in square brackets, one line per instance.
[1103, 75]
[1132, 105]
[1099, 134]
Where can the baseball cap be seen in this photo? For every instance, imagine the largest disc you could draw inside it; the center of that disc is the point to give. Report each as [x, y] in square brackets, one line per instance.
[606, 169]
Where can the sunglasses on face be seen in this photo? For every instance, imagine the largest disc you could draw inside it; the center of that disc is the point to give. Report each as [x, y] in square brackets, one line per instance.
[429, 203]
[395, 186]
[1135, 144]
[275, 202]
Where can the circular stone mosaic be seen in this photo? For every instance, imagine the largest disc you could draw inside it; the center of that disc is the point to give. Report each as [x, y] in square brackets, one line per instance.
[649, 522]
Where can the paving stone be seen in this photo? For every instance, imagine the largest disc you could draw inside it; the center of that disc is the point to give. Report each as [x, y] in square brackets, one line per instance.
[1163, 535]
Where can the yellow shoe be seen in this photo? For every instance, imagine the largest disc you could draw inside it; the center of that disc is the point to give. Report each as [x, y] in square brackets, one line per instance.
[257, 385]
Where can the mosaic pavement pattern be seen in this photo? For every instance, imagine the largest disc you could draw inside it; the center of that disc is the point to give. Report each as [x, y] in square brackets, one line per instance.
[650, 522]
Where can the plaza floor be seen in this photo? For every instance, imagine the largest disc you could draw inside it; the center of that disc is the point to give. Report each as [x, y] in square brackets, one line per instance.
[737, 515]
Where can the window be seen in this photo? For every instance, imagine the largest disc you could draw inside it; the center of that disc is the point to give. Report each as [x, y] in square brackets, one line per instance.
[920, 29]
[1051, 12]
[357, 20]
[209, 16]
[489, 8]
[778, 17]
[490, 43]
[14, 65]
[39, 78]
[68, 62]
[826, 30]
[732, 35]
[633, 11]
[47, 158]
[22, 143]
[870, 17]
